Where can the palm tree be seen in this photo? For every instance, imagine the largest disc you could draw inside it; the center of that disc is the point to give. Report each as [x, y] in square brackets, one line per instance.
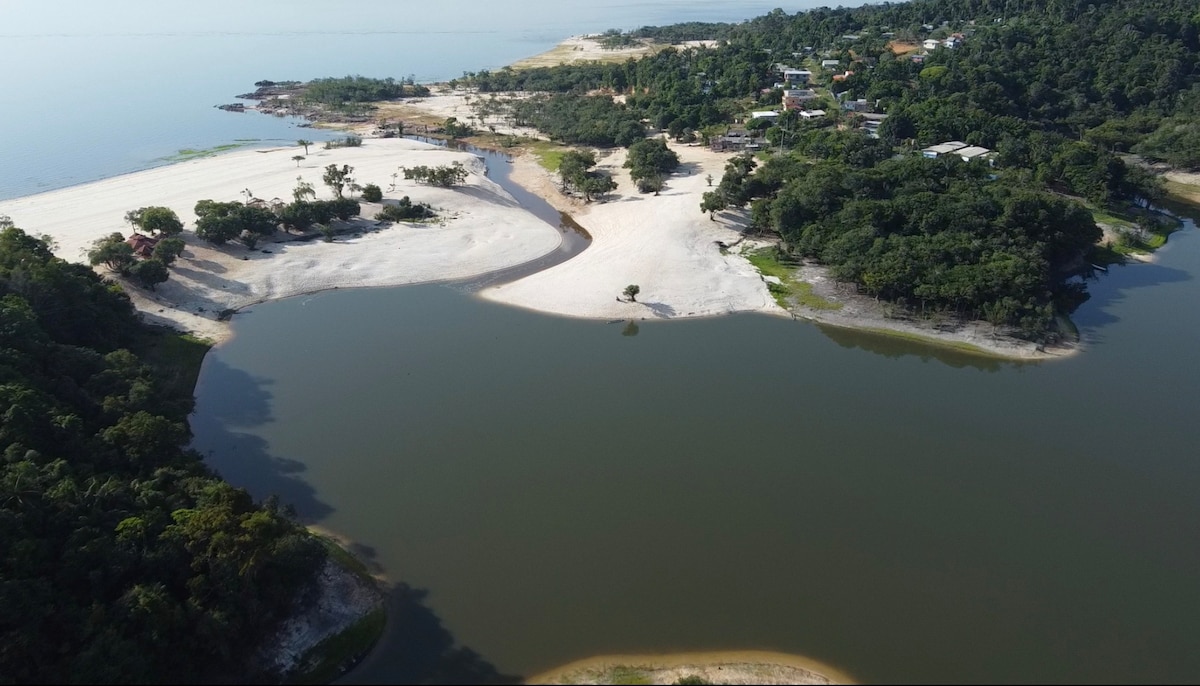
[305, 143]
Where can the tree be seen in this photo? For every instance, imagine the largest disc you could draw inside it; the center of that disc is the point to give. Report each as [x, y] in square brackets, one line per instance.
[149, 272]
[305, 143]
[113, 252]
[574, 165]
[446, 175]
[298, 159]
[596, 184]
[649, 158]
[336, 178]
[650, 184]
[156, 221]
[303, 190]
[168, 250]
[713, 202]
[631, 292]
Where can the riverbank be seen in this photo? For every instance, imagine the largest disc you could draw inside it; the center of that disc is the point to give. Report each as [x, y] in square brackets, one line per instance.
[480, 229]
[725, 667]
[586, 48]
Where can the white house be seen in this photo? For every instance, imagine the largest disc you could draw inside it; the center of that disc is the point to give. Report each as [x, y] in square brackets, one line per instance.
[830, 64]
[931, 44]
[812, 114]
[766, 114]
[942, 149]
[797, 76]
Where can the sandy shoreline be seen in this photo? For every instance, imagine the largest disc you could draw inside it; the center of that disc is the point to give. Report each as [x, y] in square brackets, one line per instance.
[482, 230]
[716, 667]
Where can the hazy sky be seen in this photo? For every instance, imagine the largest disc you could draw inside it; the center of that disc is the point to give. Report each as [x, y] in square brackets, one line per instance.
[39, 17]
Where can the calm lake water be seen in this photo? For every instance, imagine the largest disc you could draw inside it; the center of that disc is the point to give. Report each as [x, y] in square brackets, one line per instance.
[564, 488]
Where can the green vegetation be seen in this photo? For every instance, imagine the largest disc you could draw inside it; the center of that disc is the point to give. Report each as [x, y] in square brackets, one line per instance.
[221, 222]
[445, 176]
[405, 210]
[372, 193]
[628, 675]
[790, 291]
[193, 154]
[930, 340]
[692, 680]
[549, 155]
[350, 141]
[125, 559]
[575, 169]
[338, 92]
[328, 657]
[337, 178]
[631, 291]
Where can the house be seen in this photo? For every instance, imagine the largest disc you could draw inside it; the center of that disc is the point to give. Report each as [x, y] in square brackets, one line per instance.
[974, 152]
[795, 99]
[143, 246]
[850, 36]
[871, 123]
[765, 115]
[830, 64]
[931, 44]
[735, 140]
[812, 114]
[843, 77]
[860, 105]
[942, 149]
[917, 59]
[798, 77]
[951, 43]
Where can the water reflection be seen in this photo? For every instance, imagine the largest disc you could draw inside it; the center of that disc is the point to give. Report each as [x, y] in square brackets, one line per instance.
[416, 649]
[631, 329]
[243, 457]
[893, 346]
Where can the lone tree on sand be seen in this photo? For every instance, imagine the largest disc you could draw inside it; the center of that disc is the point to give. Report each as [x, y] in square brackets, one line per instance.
[299, 159]
[631, 292]
[338, 178]
[305, 143]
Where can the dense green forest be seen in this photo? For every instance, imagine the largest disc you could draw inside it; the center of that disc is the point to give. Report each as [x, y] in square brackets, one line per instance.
[124, 559]
[1062, 91]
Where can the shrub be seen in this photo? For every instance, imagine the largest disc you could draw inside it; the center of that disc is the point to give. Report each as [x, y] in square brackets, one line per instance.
[372, 193]
[405, 210]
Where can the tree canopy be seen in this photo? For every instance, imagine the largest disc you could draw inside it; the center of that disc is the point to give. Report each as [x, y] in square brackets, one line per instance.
[124, 558]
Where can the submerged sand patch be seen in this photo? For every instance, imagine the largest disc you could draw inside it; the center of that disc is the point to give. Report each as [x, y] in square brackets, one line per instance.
[723, 667]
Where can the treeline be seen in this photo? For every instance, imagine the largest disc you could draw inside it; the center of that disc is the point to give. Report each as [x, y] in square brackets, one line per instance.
[932, 235]
[581, 120]
[359, 89]
[124, 559]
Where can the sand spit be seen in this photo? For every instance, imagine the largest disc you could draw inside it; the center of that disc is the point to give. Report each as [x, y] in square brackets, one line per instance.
[482, 228]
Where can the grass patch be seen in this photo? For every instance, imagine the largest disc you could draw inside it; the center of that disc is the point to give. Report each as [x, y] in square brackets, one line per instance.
[1183, 192]
[328, 656]
[929, 340]
[1101, 217]
[790, 291]
[193, 154]
[344, 558]
[549, 155]
[177, 356]
[628, 675]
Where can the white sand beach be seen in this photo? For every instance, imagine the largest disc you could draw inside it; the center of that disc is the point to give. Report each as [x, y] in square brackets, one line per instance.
[484, 229]
[663, 244]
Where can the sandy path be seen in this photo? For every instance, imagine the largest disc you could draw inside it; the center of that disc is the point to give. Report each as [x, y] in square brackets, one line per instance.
[720, 667]
[484, 229]
[663, 244]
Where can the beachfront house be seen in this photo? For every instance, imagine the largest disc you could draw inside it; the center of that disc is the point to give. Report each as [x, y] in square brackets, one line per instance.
[796, 99]
[143, 246]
